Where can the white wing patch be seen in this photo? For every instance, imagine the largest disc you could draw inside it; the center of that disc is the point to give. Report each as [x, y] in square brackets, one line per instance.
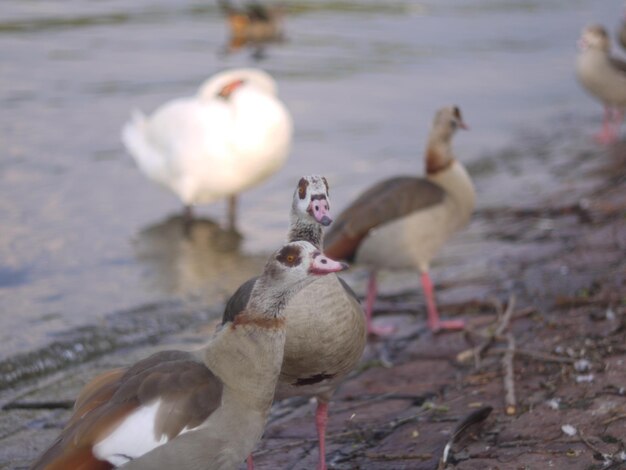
[132, 438]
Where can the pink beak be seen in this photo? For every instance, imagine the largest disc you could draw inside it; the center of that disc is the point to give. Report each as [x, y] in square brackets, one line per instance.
[462, 125]
[320, 211]
[324, 265]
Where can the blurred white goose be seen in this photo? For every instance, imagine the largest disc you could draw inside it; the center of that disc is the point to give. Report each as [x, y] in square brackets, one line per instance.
[232, 135]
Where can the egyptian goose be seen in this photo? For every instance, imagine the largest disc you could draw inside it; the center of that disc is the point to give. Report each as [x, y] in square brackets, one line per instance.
[325, 334]
[604, 77]
[253, 22]
[402, 222]
[232, 135]
[204, 409]
[621, 34]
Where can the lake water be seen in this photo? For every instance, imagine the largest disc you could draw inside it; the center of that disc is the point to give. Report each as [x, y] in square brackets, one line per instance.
[83, 233]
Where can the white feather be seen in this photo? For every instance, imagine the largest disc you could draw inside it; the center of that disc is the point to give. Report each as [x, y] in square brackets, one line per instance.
[132, 438]
[204, 148]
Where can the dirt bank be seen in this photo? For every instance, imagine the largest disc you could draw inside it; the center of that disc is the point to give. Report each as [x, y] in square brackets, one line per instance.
[543, 288]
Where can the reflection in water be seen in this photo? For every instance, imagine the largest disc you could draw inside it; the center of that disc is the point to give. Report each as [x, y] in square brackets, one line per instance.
[253, 25]
[194, 258]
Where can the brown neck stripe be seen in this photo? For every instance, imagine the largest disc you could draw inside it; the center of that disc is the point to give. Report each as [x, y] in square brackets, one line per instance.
[435, 163]
[269, 323]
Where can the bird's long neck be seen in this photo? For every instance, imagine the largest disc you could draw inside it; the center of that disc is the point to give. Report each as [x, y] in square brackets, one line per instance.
[247, 354]
[302, 229]
[439, 154]
[448, 173]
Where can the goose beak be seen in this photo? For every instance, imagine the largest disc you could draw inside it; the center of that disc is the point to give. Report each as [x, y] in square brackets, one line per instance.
[463, 126]
[320, 211]
[324, 265]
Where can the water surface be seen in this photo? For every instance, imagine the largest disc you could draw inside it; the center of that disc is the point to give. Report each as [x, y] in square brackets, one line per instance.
[83, 233]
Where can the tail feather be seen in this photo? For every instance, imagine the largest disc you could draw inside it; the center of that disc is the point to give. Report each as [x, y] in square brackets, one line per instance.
[136, 141]
[79, 459]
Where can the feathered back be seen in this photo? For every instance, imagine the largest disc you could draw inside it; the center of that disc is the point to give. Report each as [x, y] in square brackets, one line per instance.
[259, 78]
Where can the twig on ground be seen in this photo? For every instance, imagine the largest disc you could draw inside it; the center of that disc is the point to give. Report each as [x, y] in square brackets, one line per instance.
[503, 325]
[614, 418]
[393, 457]
[539, 356]
[607, 300]
[509, 376]
[40, 405]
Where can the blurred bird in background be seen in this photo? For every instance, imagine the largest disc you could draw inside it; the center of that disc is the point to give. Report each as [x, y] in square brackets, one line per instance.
[229, 137]
[604, 76]
[402, 222]
[253, 24]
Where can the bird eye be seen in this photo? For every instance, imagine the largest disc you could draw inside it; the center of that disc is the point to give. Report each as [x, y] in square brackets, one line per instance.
[301, 191]
[290, 258]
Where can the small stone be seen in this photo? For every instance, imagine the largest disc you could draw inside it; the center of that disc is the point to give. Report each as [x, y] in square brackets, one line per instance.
[610, 314]
[582, 365]
[569, 430]
[584, 378]
[554, 403]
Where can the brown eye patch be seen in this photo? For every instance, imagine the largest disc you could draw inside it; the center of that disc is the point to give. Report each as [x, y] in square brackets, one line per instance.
[303, 184]
[326, 184]
[457, 113]
[289, 256]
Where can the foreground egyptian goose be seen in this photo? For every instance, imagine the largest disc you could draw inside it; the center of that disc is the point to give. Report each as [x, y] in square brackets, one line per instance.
[402, 222]
[193, 410]
[232, 135]
[604, 77]
[325, 334]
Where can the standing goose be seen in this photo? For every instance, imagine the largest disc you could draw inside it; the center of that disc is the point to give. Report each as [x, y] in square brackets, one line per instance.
[604, 77]
[254, 22]
[232, 135]
[193, 410]
[325, 333]
[621, 34]
[402, 222]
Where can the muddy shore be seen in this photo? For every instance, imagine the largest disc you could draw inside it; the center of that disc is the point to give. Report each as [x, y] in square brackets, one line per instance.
[549, 278]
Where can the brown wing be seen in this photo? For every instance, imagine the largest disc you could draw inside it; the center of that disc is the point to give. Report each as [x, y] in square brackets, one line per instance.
[188, 390]
[386, 201]
[618, 64]
[238, 301]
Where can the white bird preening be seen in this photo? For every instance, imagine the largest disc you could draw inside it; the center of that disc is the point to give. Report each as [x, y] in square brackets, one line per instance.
[402, 222]
[232, 135]
[604, 77]
[197, 410]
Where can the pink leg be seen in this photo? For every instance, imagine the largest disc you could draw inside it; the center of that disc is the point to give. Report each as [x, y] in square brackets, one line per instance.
[618, 118]
[607, 134]
[250, 462]
[433, 316]
[321, 419]
[372, 292]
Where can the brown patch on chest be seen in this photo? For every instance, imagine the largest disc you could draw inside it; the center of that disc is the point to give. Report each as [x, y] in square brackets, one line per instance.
[270, 323]
[317, 378]
[436, 163]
